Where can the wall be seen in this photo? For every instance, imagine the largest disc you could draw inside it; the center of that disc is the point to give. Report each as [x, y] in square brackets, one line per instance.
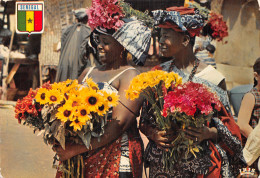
[235, 59]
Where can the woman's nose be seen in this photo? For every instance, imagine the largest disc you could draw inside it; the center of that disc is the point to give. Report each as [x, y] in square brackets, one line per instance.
[161, 40]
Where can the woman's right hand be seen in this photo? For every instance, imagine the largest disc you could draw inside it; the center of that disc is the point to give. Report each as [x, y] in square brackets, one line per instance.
[162, 139]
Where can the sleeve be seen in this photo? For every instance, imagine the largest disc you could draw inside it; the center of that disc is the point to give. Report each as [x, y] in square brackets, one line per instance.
[211, 74]
[229, 134]
[251, 150]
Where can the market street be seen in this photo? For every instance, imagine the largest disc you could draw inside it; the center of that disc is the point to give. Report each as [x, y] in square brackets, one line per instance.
[22, 153]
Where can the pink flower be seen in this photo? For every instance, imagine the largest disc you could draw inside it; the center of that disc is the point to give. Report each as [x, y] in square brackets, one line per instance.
[106, 14]
[191, 98]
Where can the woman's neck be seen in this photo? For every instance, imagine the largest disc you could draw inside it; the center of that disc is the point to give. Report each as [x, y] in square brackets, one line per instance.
[114, 65]
[184, 58]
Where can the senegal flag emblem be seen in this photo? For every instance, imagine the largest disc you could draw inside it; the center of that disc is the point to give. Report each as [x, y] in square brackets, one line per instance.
[29, 17]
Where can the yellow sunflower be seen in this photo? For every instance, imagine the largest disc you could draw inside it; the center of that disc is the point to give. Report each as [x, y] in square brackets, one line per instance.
[69, 85]
[54, 96]
[112, 98]
[77, 125]
[64, 113]
[93, 100]
[74, 100]
[41, 96]
[82, 113]
[102, 110]
[57, 86]
[132, 94]
[91, 84]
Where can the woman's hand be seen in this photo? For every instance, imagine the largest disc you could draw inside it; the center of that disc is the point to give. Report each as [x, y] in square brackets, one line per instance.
[200, 134]
[162, 139]
[70, 151]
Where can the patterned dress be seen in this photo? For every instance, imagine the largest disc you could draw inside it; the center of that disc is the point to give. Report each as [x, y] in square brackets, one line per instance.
[215, 159]
[123, 157]
[256, 111]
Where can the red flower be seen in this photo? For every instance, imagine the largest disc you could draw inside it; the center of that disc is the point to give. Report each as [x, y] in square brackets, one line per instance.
[47, 85]
[218, 25]
[191, 98]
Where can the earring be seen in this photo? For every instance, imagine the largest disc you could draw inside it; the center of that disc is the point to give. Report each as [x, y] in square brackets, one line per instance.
[185, 43]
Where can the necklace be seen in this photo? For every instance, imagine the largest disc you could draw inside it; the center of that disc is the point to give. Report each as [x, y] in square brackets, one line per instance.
[193, 71]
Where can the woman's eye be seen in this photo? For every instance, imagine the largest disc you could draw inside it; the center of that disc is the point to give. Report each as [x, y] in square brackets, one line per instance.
[105, 43]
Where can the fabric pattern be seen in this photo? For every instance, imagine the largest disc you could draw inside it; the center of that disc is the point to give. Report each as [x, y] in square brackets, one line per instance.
[119, 158]
[185, 22]
[136, 38]
[256, 111]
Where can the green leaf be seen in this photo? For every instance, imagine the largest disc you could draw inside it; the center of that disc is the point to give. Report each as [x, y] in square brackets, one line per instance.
[86, 138]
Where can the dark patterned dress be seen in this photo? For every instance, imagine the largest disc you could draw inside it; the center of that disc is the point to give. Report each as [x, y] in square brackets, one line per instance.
[256, 111]
[215, 159]
[254, 119]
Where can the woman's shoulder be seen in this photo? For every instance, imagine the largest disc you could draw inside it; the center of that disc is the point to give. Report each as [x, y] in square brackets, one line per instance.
[83, 74]
[130, 72]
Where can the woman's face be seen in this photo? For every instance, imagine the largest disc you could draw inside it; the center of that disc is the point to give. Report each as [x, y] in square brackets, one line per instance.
[109, 49]
[170, 42]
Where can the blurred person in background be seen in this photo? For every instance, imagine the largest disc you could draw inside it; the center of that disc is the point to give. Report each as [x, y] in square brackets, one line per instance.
[73, 55]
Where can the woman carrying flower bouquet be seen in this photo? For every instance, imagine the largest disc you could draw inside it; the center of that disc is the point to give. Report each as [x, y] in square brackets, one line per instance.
[118, 152]
[220, 139]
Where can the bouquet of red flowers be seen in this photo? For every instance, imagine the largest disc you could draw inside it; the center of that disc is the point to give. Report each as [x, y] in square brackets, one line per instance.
[29, 111]
[190, 105]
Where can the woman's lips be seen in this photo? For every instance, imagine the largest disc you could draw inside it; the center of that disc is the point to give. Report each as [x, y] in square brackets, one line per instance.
[163, 48]
[102, 56]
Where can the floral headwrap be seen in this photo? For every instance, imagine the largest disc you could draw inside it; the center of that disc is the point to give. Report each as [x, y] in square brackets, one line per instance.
[128, 26]
[180, 19]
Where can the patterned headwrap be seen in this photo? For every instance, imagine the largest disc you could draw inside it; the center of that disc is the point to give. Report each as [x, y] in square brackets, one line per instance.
[107, 17]
[180, 19]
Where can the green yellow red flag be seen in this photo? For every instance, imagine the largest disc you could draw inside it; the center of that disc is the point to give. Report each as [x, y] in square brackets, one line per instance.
[29, 17]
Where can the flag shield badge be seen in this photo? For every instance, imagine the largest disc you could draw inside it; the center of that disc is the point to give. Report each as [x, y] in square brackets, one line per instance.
[29, 17]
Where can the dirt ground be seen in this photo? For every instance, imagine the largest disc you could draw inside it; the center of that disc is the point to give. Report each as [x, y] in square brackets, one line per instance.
[22, 153]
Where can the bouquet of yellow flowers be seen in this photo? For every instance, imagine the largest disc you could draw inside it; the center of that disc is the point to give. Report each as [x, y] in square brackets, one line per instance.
[153, 86]
[67, 112]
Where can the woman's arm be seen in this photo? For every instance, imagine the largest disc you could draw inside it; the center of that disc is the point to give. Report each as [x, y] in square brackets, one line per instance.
[123, 119]
[244, 115]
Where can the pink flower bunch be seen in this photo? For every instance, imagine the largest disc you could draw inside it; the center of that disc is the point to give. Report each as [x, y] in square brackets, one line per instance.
[218, 26]
[191, 98]
[106, 14]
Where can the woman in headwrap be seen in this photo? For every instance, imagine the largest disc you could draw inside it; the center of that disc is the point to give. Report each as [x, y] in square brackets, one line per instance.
[220, 139]
[118, 153]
